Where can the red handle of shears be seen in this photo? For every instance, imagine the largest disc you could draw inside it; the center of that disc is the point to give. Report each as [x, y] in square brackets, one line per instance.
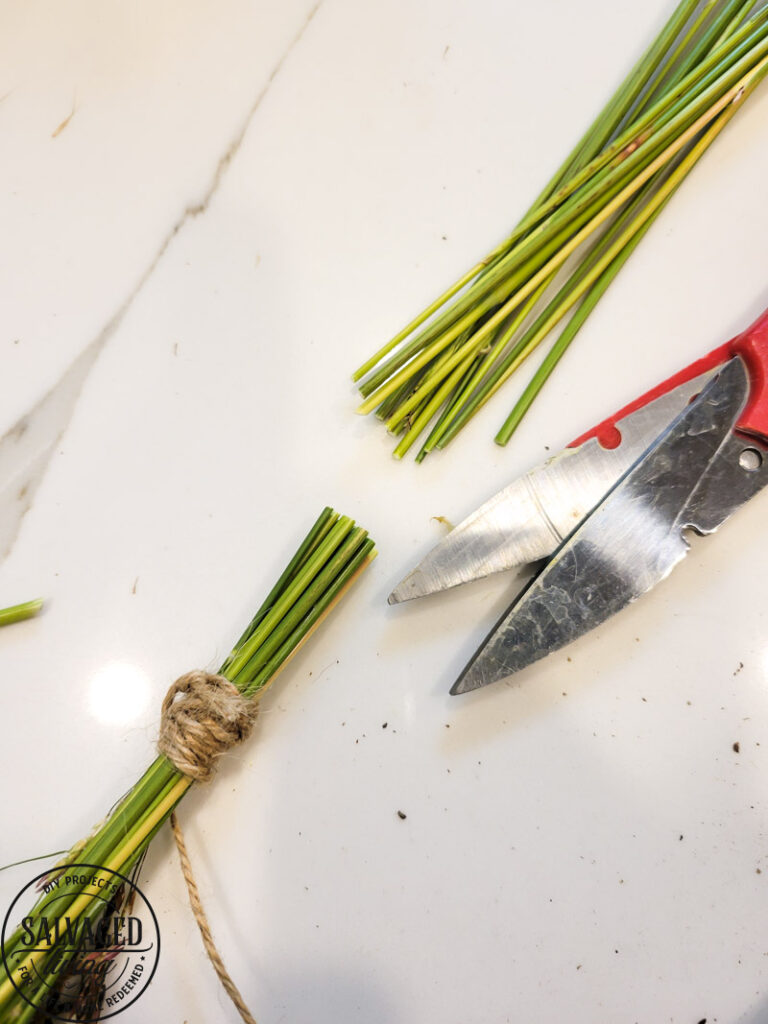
[751, 345]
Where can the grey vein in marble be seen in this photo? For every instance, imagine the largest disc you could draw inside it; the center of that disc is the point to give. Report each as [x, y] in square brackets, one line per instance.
[26, 449]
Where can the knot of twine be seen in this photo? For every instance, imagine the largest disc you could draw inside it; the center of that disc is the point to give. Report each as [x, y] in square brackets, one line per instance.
[203, 716]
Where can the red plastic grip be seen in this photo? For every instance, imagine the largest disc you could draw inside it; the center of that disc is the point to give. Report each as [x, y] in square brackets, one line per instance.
[751, 345]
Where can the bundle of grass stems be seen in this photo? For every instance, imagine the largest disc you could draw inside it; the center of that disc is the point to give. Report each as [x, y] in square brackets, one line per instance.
[436, 373]
[327, 562]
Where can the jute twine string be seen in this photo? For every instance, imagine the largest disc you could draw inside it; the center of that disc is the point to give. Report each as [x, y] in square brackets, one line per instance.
[204, 715]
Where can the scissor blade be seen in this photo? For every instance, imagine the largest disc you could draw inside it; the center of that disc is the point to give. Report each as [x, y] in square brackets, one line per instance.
[529, 518]
[631, 541]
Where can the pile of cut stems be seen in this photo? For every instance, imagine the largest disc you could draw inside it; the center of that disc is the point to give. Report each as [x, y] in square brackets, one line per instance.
[442, 368]
[328, 561]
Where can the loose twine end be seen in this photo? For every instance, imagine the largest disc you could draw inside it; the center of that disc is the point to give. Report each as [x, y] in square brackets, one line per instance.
[203, 716]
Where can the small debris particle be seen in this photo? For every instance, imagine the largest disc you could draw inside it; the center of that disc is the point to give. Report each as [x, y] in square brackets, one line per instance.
[445, 51]
[447, 725]
[444, 238]
[64, 123]
[443, 520]
[570, 658]
[736, 747]
[565, 694]
[689, 703]
[402, 815]
[703, 1020]
[546, 447]
[175, 348]
[384, 725]
[681, 837]
[739, 668]
[758, 871]
[578, 967]
[133, 588]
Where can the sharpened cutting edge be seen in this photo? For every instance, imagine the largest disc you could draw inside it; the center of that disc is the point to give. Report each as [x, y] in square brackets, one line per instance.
[528, 520]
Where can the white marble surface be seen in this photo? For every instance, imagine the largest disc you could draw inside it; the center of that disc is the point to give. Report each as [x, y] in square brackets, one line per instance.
[214, 212]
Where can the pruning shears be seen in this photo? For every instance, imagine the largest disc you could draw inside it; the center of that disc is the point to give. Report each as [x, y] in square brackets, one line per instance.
[608, 515]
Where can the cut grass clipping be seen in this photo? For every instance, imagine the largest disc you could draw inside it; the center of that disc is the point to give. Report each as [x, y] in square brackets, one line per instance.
[20, 612]
[328, 561]
[432, 377]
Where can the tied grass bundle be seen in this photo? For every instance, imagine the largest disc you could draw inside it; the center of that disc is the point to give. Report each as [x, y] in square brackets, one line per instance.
[436, 373]
[329, 559]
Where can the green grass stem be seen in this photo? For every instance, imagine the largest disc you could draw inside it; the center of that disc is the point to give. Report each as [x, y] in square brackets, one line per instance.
[19, 612]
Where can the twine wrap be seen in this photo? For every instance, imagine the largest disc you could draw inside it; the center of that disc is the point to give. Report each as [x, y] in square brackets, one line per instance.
[203, 715]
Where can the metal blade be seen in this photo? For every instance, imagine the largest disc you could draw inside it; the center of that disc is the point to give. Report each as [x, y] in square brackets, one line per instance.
[632, 540]
[529, 519]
